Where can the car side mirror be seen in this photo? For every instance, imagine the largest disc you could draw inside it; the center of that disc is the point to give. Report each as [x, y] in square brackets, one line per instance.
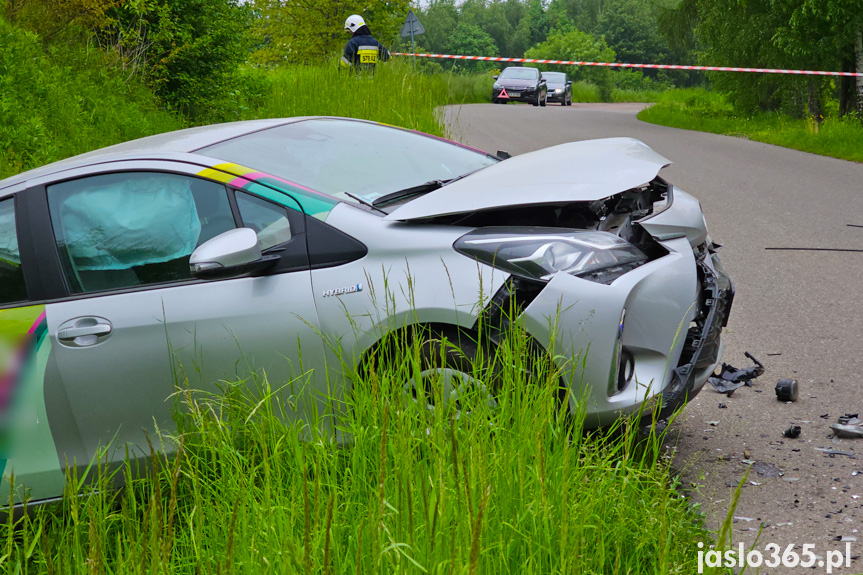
[231, 254]
[495, 76]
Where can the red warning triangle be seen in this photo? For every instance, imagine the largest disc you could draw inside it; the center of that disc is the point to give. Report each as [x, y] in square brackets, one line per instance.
[503, 93]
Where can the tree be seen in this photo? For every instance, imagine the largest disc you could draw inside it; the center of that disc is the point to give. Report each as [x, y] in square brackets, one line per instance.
[188, 50]
[439, 19]
[579, 46]
[472, 40]
[304, 31]
[830, 31]
[630, 27]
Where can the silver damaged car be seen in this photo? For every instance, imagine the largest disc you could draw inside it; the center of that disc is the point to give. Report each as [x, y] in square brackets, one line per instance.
[238, 246]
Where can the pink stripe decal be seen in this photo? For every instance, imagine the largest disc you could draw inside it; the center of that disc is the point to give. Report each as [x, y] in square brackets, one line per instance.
[650, 66]
[38, 321]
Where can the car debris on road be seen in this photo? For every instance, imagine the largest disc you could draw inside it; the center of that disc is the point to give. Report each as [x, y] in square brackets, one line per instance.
[787, 390]
[850, 426]
[730, 378]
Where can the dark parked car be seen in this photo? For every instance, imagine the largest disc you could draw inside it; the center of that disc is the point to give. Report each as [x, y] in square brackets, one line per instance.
[559, 87]
[517, 84]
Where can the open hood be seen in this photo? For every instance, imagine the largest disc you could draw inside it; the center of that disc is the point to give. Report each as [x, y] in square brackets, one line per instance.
[574, 172]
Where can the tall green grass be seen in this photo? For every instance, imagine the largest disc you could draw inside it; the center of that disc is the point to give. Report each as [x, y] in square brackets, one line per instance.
[706, 111]
[422, 486]
[393, 95]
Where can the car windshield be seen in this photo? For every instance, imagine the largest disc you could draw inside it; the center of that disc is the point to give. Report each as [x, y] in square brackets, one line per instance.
[341, 157]
[518, 74]
[555, 78]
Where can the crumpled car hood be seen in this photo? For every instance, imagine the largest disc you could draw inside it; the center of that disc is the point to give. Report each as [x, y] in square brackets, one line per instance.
[575, 172]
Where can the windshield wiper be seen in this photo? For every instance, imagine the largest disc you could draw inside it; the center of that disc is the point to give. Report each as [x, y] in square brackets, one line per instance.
[365, 203]
[429, 186]
[425, 188]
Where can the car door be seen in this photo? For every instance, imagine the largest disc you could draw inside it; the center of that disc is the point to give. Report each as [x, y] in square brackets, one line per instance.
[27, 450]
[135, 326]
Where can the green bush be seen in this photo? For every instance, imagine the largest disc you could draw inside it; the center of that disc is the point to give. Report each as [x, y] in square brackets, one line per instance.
[65, 102]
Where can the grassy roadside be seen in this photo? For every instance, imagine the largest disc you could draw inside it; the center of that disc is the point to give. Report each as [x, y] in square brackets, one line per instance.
[698, 109]
[394, 95]
[511, 489]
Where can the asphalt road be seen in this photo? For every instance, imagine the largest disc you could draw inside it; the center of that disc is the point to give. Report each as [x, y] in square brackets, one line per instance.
[797, 311]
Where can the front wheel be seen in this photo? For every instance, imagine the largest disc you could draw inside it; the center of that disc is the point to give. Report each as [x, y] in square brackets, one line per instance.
[453, 375]
[544, 101]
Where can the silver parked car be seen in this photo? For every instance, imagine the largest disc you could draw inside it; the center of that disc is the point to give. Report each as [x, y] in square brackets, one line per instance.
[234, 247]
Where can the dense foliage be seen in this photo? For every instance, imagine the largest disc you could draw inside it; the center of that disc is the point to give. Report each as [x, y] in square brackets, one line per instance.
[65, 102]
[798, 34]
[303, 31]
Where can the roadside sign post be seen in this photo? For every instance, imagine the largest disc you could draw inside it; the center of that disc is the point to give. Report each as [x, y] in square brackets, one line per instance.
[410, 28]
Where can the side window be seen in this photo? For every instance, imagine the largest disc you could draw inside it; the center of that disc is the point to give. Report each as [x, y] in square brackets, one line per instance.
[12, 287]
[130, 229]
[269, 220]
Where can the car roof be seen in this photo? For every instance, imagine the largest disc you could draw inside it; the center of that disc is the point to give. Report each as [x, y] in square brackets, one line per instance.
[176, 142]
[522, 68]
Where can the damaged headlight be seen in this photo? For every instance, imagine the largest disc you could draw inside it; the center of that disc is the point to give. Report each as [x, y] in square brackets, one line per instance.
[539, 253]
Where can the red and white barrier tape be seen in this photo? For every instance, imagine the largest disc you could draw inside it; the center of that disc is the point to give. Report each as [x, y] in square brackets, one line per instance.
[621, 65]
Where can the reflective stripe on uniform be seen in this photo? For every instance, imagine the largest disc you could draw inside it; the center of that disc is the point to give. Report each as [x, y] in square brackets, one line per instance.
[345, 62]
[368, 54]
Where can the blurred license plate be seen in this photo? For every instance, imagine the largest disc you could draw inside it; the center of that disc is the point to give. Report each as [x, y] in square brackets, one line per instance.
[515, 94]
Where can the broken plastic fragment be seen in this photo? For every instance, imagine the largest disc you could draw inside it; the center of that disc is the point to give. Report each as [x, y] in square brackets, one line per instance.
[832, 452]
[792, 432]
[730, 378]
[847, 431]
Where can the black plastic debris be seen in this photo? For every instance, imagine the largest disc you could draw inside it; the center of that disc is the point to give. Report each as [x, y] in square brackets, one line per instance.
[849, 427]
[792, 432]
[845, 419]
[730, 378]
[787, 390]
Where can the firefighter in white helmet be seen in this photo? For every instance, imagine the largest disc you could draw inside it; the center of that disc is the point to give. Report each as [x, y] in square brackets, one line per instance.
[362, 51]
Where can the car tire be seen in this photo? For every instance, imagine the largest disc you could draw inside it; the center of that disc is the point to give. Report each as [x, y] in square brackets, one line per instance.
[536, 102]
[569, 102]
[452, 365]
[544, 101]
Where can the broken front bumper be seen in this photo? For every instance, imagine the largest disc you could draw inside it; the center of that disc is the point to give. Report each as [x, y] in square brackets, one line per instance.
[665, 317]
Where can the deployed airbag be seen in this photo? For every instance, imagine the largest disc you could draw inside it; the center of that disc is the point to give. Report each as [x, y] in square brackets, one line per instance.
[130, 222]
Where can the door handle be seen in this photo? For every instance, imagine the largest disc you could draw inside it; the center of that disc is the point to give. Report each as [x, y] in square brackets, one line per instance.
[73, 332]
[84, 331]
